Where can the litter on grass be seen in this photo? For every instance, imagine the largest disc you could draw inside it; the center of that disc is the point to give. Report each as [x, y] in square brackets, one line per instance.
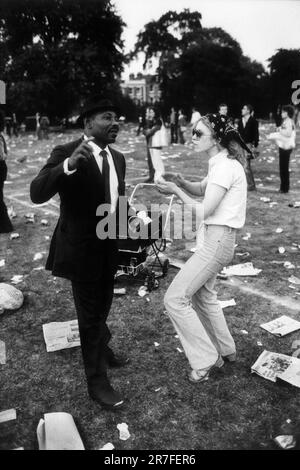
[123, 431]
[8, 415]
[288, 265]
[2, 353]
[14, 235]
[38, 256]
[245, 269]
[273, 366]
[58, 431]
[120, 291]
[281, 250]
[10, 297]
[294, 280]
[285, 442]
[2, 263]
[177, 263]
[227, 303]
[17, 278]
[61, 335]
[143, 291]
[281, 326]
[108, 446]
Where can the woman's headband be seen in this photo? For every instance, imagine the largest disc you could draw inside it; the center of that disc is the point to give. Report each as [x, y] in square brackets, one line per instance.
[223, 130]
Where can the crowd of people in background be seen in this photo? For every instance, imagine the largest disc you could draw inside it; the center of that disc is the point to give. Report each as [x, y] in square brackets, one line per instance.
[247, 125]
[159, 133]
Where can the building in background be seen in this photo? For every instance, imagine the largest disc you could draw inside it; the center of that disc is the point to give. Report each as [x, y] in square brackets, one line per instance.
[142, 89]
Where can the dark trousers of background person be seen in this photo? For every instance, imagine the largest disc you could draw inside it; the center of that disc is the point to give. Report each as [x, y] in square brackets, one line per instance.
[15, 130]
[174, 133]
[93, 301]
[181, 135]
[5, 223]
[284, 162]
[249, 175]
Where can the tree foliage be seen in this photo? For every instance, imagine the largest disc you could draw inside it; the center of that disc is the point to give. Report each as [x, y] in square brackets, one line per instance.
[55, 53]
[201, 67]
[284, 69]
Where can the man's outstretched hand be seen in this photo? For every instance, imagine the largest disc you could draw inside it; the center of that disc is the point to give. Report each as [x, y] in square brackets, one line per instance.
[81, 155]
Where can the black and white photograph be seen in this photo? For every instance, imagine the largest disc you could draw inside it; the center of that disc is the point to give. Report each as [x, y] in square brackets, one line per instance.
[149, 227]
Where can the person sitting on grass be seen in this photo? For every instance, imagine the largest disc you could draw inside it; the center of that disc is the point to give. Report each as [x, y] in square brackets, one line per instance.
[191, 300]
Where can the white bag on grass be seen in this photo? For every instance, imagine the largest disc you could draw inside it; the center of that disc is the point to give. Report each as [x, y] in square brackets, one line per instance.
[10, 297]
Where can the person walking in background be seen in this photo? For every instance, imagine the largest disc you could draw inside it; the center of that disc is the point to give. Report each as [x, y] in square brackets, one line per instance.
[149, 123]
[223, 112]
[248, 129]
[285, 138]
[8, 126]
[191, 300]
[155, 144]
[38, 127]
[174, 126]
[15, 125]
[141, 125]
[182, 124]
[195, 116]
[44, 127]
[5, 223]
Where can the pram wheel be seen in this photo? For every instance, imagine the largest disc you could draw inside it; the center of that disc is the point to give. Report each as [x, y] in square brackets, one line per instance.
[165, 267]
[151, 281]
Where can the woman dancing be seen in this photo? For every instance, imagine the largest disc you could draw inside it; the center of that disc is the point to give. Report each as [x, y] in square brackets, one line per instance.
[191, 301]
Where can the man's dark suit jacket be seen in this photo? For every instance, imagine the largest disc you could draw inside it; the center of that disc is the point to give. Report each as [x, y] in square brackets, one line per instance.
[76, 253]
[249, 133]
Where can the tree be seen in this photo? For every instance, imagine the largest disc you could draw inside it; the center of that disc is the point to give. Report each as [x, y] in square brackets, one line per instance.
[284, 69]
[58, 52]
[200, 66]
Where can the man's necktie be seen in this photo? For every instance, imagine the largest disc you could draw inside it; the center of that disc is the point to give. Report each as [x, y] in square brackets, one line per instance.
[105, 176]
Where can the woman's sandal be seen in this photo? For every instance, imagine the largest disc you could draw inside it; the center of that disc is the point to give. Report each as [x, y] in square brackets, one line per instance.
[200, 375]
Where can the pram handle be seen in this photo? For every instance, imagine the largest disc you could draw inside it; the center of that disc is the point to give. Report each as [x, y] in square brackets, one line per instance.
[170, 204]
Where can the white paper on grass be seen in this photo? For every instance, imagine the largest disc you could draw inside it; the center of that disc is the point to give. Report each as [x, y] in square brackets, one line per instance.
[272, 365]
[61, 335]
[8, 415]
[294, 280]
[245, 269]
[227, 303]
[2, 353]
[177, 263]
[281, 326]
[38, 256]
[17, 278]
[58, 431]
[123, 430]
[2, 263]
[119, 290]
[108, 446]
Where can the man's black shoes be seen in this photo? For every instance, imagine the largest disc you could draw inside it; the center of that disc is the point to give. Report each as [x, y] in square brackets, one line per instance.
[107, 397]
[116, 361]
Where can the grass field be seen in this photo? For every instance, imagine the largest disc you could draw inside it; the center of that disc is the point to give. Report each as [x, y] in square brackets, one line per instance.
[233, 409]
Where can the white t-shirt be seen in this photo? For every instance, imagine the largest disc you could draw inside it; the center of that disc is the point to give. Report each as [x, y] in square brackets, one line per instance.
[229, 174]
[195, 117]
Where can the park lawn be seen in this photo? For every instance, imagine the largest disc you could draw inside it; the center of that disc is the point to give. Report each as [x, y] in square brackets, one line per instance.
[234, 409]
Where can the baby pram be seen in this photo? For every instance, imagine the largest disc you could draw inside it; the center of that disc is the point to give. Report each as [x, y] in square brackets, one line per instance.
[139, 257]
